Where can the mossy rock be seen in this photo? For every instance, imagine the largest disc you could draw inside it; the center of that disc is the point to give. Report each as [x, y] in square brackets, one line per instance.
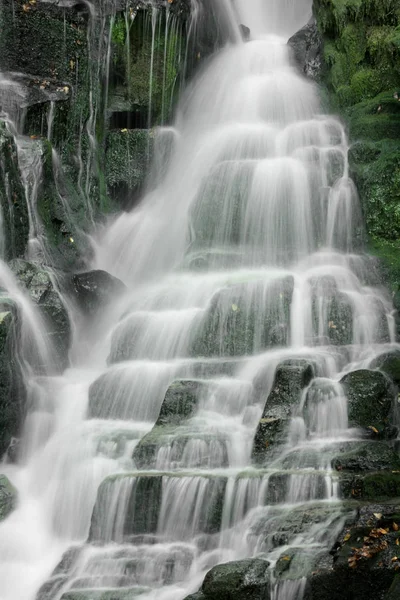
[373, 487]
[244, 319]
[8, 497]
[236, 580]
[389, 363]
[291, 379]
[367, 456]
[180, 402]
[44, 294]
[371, 397]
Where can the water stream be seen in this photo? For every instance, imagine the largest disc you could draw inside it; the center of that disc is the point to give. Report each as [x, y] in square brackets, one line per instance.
[246, 254]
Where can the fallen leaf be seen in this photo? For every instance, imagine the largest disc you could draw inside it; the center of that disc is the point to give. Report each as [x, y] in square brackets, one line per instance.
[378, 515]
[395, 527]
[347, 537]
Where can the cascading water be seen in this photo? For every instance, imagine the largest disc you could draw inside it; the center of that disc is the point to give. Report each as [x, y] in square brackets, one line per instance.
[242, 270]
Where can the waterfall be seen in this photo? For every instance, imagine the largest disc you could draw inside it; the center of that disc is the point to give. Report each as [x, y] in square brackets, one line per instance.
[247, 287]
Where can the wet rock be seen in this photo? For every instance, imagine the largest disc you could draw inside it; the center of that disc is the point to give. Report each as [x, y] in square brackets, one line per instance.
[332, 312]
[388, 363]
[128, 155]
[367, 456]
[361, 562]
[245, 31]
[8, 497]
[371, 397]
[198, 596]
[381, 486]
[307, 47]
[245, 318]
[140, 497]
[15, 229]
[44, 294]
[248, 579]
[180, 402]
[59, 577]
[291, 378]
[93, 290]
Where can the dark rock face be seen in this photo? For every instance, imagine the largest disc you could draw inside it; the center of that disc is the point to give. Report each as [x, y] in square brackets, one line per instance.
[94, 289]
[307, 46]
[291, 378]
[8, 497]
[179, 405]
[180, 402]
[371, 398]
[245, 579]
[389, 363]
[12, 199]
[361, 564]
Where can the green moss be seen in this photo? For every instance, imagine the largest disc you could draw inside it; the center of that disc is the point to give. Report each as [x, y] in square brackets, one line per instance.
[8, 497]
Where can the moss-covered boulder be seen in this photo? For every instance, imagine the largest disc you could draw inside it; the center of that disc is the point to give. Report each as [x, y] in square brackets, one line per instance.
[291, 378]
[43, 292]
[236, 580]
[371, 398]
[363, 562]
[8, 497]
[373, 487]
[388, 363]
[245, 318]
[93, 290]
[367, 456]
[180, 404]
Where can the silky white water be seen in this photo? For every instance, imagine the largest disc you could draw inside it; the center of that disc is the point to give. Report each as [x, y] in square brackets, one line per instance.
[253, 212]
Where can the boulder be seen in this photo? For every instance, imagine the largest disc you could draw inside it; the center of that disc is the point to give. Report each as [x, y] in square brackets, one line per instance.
[180, 402]
[371, 397]
[8, 497]
[93, 290]
[362, 563]
[43, 292]
[366, 456]
[388, 363]
[307, 47]
[373, 487]
[237, 580]
[179, 405]
[291, 378]
[245, 318]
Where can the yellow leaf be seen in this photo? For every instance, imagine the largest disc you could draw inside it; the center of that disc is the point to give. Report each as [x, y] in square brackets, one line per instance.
[235, 307]
[374, 429]
[347, 537]
[378, 515]
[394, 559]
[395, 527]
[398, 542]
[124, 130]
